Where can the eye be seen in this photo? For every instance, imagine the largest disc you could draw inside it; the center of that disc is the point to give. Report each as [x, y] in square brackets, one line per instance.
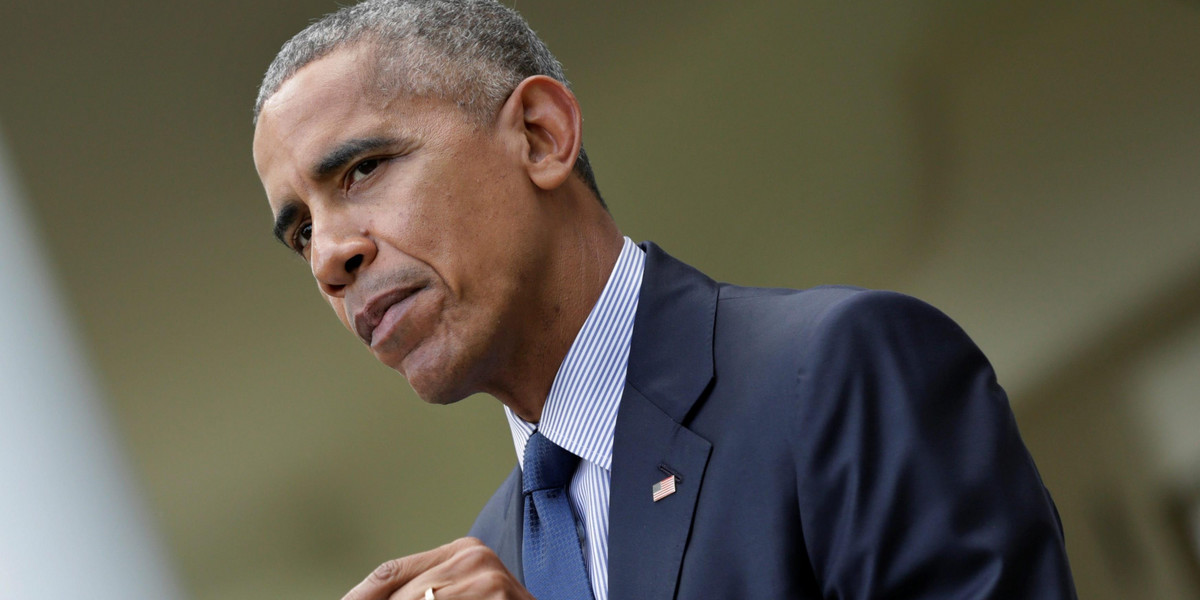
[363, 169]
[302, 237]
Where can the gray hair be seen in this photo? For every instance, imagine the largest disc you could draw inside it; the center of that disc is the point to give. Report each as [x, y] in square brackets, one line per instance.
[470, 52]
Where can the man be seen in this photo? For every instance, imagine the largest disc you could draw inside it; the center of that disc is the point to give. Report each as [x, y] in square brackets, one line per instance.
[707, 441]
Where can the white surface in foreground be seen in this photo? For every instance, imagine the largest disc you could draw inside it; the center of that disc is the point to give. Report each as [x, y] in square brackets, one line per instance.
[71, 522]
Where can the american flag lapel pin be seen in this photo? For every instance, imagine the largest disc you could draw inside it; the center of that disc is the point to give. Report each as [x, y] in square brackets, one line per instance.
[663, 488]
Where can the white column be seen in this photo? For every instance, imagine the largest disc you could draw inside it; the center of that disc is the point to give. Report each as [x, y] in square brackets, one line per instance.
[71, 521]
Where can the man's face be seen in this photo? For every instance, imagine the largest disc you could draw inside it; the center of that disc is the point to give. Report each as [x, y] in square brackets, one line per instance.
[419, 226]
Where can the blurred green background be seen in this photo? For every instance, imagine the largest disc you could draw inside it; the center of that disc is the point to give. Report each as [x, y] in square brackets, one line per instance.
[1032, 168]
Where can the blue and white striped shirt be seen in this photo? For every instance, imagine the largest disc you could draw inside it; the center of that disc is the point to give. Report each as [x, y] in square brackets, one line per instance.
[581, 410]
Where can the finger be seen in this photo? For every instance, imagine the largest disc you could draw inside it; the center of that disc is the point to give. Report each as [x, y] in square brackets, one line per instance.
[409, 592]
[395, 573]
[473, 572]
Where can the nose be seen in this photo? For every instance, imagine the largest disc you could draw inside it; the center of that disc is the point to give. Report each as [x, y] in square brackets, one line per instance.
[338, 258]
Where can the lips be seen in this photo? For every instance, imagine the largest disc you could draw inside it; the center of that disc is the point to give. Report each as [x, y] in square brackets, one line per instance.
[380, 309]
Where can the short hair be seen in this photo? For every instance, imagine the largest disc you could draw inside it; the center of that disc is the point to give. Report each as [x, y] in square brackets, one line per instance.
[470, 52]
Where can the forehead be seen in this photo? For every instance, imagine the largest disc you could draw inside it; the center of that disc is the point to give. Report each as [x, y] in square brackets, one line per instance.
[314, 104]
[331, 100]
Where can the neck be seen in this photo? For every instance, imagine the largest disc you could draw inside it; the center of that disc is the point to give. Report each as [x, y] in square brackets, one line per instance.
[580, 257]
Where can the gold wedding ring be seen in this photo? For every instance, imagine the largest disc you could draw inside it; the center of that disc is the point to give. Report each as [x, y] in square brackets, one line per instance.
[429, 594]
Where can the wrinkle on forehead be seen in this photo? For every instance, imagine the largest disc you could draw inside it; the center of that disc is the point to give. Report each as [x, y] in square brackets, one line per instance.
[327, 102]
[295, 124]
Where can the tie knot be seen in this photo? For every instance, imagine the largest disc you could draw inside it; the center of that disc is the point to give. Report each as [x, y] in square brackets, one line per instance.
[546, 465]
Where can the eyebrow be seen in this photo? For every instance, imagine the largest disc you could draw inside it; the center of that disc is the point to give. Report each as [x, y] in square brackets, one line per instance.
[333, 161]
[284, 221]
[336, 159]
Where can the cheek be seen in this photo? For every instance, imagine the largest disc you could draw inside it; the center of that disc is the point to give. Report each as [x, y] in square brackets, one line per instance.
[339, 308]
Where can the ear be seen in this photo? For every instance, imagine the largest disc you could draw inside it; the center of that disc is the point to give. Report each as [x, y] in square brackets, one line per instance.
[548, 115]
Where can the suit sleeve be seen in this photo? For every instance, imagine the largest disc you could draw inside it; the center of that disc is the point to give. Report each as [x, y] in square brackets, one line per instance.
[913, 480]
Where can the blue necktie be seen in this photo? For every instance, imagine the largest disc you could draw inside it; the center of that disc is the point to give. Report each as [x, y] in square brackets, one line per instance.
[551, 553]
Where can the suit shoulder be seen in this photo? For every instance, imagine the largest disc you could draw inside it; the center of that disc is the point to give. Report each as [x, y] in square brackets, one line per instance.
[810, 311]
[893, 319]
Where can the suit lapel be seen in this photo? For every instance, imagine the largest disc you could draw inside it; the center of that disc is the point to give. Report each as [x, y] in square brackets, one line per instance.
[646, 539]
[514, 514]
[670, 366]
[500, 523]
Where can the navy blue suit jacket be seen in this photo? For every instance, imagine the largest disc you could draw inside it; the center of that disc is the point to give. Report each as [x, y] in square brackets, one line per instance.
[829, 443]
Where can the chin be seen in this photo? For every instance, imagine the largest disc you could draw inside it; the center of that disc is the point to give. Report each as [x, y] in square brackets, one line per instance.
[435, 382]
[436, 394]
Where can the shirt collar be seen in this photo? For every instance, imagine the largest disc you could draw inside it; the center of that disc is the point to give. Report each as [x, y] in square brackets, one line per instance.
[580, 413]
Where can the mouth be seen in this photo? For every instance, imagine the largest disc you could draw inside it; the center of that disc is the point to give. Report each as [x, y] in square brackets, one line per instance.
[380, 316]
